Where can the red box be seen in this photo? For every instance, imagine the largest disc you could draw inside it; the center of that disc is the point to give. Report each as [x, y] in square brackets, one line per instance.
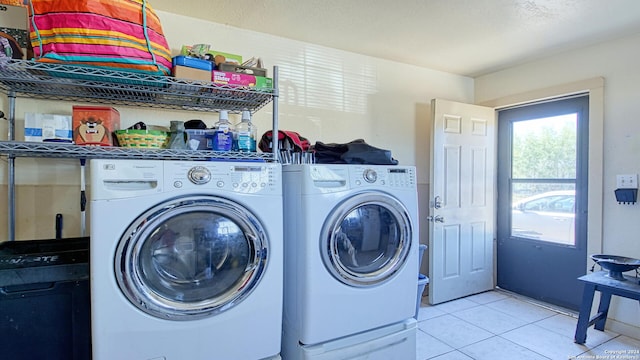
[94, 125]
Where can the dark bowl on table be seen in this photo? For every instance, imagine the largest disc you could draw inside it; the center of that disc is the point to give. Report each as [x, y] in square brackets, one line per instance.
[616, 265]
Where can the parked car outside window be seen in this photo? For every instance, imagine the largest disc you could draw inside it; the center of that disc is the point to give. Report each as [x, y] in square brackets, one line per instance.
[549, 216]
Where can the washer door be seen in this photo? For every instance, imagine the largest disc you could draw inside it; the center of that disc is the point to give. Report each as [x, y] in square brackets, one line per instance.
[366, 239]
[191, 257]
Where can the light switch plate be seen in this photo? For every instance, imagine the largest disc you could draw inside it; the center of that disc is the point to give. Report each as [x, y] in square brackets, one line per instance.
[629, 181]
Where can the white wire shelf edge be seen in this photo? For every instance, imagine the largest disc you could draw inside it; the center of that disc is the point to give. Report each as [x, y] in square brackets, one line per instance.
[88, 84]
[58, 150]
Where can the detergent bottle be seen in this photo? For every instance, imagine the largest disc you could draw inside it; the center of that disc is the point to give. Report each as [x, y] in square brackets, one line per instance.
[245, 135]
[223, 137]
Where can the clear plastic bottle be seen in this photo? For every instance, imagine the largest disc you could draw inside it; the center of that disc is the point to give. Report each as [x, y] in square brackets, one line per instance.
[246, 133]
[223, 137]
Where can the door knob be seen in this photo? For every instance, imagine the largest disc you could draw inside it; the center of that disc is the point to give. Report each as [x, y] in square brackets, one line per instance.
[436, 218]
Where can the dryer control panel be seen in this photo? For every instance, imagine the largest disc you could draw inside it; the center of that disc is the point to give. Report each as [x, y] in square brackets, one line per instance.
[228, 176]
[391, 176]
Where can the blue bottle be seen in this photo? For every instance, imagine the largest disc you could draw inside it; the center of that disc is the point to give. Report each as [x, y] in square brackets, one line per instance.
[245, 134]
[223, 137]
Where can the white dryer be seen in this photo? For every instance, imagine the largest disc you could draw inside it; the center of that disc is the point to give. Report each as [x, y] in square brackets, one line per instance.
[186, 260]
[351, 255]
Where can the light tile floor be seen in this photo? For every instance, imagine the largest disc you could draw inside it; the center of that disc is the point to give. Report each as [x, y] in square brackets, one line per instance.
[497, 325]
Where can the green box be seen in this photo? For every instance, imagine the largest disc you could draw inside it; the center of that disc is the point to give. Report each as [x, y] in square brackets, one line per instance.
[233, 58]
[264, 83]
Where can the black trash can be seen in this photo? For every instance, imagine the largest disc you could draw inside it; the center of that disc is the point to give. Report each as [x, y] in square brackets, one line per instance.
[44, 299]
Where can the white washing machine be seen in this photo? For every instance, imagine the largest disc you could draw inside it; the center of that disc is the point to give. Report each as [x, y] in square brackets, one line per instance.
[351, 256]
[186, 260]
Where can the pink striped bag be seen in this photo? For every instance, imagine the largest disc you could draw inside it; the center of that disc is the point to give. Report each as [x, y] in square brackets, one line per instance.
[122, 35]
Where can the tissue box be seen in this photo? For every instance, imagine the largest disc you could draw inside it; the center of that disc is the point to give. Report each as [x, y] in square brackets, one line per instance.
[232, 78]
[39, 127]
[94, 125]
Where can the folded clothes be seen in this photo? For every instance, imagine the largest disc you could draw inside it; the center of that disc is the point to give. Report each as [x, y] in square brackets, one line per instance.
[287, 140]
[354, 152]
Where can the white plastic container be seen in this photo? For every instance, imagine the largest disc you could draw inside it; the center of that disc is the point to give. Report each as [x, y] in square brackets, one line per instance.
[423, 280]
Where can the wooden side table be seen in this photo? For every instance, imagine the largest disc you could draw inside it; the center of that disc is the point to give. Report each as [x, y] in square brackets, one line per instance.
[599, 281]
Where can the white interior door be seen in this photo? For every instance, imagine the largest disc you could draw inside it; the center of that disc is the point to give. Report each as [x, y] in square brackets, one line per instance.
[462, 201]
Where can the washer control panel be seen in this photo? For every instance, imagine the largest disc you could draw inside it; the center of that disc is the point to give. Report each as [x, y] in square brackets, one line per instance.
[229, 176]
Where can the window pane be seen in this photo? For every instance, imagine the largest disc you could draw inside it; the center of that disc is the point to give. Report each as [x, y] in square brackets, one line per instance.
[544, 211]
[545, 148]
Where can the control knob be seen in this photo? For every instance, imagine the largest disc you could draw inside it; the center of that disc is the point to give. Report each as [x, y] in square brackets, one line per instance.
[370, 176]
[199, 175]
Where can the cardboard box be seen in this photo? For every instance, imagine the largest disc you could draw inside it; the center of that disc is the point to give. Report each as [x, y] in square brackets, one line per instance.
[189, 73]
[94, 125]
[230, 58]
[242, 69]
[14, 21]
[222, 57]
[39, 127]
[232, 78]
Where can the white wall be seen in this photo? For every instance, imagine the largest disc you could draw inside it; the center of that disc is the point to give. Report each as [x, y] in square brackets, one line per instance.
[616, 62]
[325, 94]
[334, 96]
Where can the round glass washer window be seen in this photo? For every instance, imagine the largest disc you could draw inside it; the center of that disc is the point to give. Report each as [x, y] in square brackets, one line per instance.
[366, 239]
[191, 257]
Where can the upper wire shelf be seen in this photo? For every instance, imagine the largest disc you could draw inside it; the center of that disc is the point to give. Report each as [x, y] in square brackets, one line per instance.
[95, 85]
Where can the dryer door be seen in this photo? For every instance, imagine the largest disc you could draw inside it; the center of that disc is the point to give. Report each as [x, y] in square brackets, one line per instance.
[366, 239]
[191, 257]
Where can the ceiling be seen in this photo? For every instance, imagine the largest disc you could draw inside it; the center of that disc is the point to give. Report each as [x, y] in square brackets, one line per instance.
[465, 37]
